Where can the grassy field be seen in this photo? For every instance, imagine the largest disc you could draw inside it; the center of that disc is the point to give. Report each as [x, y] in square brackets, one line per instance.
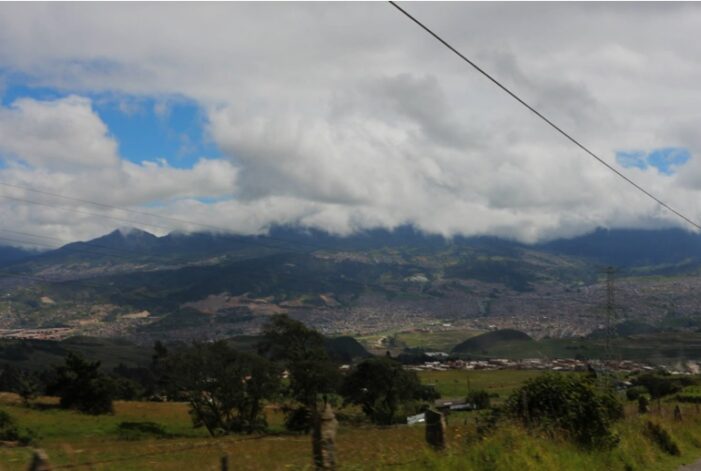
[86, 442]
[456, 383]
[428, 338]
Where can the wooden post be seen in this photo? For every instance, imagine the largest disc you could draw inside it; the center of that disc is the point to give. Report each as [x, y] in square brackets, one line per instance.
[324, 439]
[435, 429]
[40, 461]
[677, 413]
[642, 405]
[526, 407]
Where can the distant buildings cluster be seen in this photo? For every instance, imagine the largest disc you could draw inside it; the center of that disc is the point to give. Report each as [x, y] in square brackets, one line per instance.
[557, 364]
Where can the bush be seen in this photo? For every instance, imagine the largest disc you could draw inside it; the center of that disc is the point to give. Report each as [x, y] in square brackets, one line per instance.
[141, 430]
[661, 385]
[633, 393]
[571, 404]
[660, 436]
[480, 398]
[9, 431]
[298, 419]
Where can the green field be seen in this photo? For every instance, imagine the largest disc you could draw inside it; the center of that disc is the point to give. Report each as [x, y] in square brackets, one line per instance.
[456, 383]
[427, 338]
[436, 340]
[87, 442]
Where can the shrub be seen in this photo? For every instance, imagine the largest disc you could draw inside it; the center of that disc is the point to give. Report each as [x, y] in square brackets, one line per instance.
[9, 431]
[297, 419]
[571, 404]
[660, 385]
[141, 430]
[633, 393]
[480, 398]
[660, 436]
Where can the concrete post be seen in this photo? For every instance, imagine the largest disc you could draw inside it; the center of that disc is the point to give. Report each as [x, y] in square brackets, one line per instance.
[40, 461]
[324, 439]
[435, 429]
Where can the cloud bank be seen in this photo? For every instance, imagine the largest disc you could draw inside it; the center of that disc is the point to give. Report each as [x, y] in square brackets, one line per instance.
[346, 116]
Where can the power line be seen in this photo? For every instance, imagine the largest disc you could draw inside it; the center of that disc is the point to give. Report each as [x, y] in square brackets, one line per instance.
[108, 206]
[79, 211]
[541, 116]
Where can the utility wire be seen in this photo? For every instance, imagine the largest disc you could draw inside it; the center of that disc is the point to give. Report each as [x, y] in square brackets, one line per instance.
[109, 206]
[78, 211]
[541, 116]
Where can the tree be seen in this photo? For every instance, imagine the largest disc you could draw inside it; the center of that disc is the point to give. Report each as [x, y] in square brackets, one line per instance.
[571, 404]
[21, 382]
[302, 353]
[80, 385]
[226, 389]
[382, 387]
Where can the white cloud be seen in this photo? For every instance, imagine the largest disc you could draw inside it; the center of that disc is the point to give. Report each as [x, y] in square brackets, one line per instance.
[64, 133]
[344, 116]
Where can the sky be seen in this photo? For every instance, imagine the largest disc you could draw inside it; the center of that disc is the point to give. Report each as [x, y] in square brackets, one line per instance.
[235, 117]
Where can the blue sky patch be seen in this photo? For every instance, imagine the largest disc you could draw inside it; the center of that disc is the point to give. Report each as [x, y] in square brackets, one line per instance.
[149, 129]
[664, 159]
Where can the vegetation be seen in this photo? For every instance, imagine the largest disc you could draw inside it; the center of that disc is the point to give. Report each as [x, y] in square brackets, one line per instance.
[382, 387]
[80, 385]
[479, 398]
[72, 438]
[302, 352]
[225, 389]
[659, 435]
[11, 432]
[661, 385]
[569, 404]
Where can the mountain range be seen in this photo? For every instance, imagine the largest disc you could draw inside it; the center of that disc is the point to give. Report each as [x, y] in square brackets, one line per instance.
[133, 281]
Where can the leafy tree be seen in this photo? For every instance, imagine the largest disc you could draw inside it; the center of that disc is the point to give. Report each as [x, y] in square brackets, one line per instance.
[226, 389]
[302, 353]
[80, 385]
[382, 387]
[572, 404]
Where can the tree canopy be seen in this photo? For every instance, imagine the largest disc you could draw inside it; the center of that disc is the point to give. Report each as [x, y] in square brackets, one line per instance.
[225, 388]
[382, 387]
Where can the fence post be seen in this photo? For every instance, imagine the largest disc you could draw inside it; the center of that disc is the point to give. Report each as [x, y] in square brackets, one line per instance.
[324, 439]
[225, 462]
[40, 461]
[677, 413]
[435, 429]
